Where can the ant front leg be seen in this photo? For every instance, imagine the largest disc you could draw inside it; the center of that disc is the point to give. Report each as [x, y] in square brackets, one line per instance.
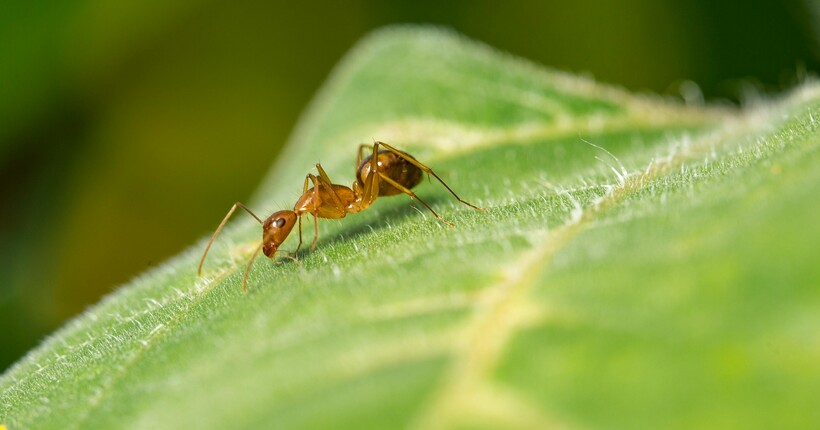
[425, 169]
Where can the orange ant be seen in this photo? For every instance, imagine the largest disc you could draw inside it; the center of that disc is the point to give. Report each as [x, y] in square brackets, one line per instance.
[385, 172]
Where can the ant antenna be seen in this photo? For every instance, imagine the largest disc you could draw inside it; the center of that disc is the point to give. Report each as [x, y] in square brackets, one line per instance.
[218, 229]
[248, 269]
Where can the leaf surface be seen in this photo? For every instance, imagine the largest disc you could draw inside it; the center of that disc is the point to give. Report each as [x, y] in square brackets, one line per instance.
[641, 263]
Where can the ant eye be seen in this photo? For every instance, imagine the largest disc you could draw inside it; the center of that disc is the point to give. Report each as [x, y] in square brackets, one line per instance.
[280, 223]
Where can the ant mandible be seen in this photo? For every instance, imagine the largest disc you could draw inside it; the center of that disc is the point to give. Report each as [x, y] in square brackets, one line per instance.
[385, 172]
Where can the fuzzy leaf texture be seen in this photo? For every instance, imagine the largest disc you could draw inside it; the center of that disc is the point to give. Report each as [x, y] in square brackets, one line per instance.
[641, 264]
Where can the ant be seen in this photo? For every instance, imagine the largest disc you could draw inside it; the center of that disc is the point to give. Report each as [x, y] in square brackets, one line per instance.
[385, 172]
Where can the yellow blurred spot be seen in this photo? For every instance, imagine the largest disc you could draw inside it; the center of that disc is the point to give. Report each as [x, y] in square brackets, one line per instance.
[776, 169]
[733, 362]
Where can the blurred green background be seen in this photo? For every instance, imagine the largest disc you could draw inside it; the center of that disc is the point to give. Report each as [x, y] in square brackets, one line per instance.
[128, 128]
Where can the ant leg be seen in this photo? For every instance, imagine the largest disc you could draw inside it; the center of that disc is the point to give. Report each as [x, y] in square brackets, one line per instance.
[427, 170]
[317, 199]
[359, 158]
[281, 253]
[300, 237]
[292, 255]
[248, 269]
[315, 232]
[413, 195]
[371, 183]
[315, 210]
[324, 180]
[307, 181]
[322, 174]
[218, 229]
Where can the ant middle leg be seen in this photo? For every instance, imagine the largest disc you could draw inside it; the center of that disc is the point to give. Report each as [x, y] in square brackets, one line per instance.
[409, 158]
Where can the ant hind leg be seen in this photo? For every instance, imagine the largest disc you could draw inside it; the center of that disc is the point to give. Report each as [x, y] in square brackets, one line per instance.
[427, 170]
[360, 156]
[413, 195]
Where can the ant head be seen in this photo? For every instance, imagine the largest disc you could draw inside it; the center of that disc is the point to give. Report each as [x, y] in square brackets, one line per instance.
[275, 230]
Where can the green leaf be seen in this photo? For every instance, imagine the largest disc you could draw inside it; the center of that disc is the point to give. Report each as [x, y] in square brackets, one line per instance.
[641, 263]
